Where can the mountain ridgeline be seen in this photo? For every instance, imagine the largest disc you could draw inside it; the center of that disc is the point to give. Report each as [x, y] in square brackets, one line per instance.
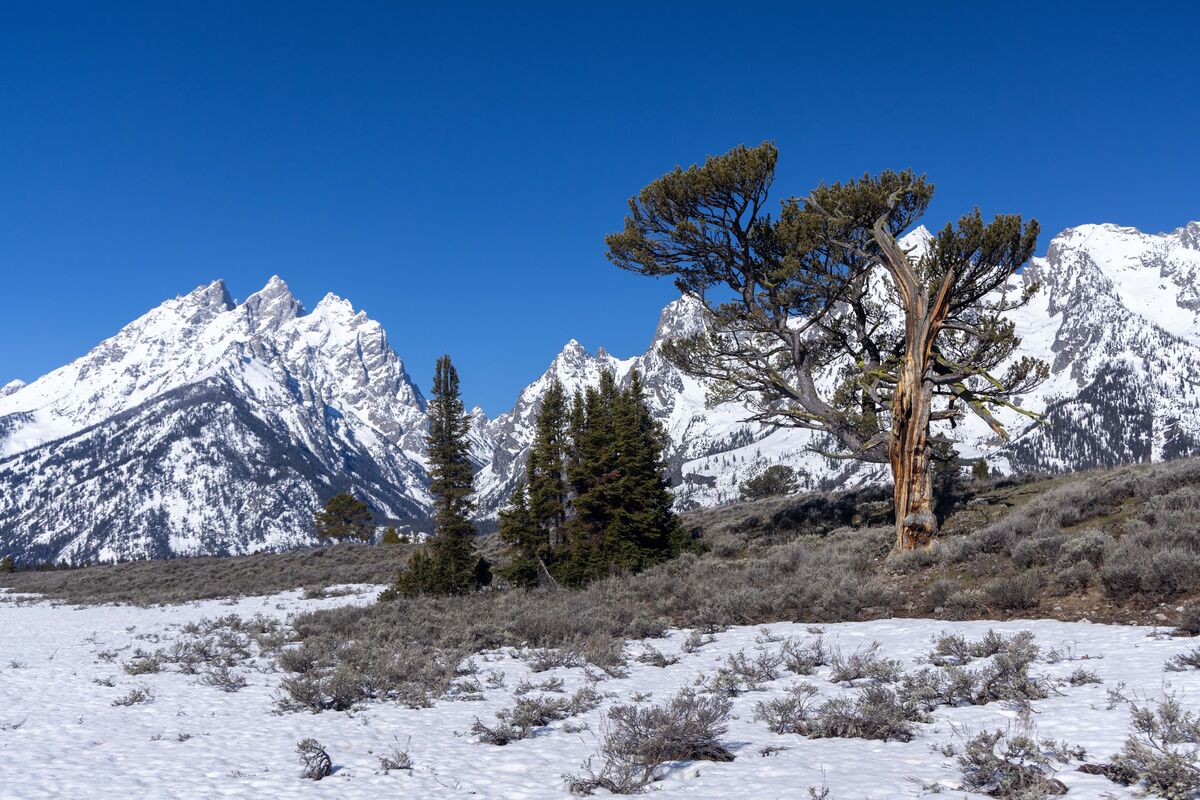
[213, 427]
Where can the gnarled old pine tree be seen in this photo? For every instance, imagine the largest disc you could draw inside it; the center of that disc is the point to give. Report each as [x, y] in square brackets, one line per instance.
[825, 289]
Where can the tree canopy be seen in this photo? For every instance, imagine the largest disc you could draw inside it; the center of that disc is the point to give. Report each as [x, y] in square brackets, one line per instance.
[825, 288]
[450, 562]
[345, 517]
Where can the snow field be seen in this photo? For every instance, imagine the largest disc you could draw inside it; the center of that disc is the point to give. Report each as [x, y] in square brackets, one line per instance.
[62, 737]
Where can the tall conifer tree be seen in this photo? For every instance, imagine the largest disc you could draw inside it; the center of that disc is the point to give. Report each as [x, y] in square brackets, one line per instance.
[452, 564]
[545, 470]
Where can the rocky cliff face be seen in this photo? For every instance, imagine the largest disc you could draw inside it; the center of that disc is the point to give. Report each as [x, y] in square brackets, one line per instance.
[208, 426]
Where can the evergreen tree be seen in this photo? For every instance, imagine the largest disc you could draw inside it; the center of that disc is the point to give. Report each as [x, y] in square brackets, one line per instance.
[345, 517]
[545, 470]
[979, 470]
[452, 564]
[391, 536]
[622, 506]
[525, 543]
[824, 279]
[775, 480]
[644, 529]
[6, 564]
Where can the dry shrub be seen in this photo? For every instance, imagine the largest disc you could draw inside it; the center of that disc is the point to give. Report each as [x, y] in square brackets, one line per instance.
[864, 665]
[1009, 765]
[315, 762]
[639, 739]
[875, 712]
[1162, 753]
[1015, 593]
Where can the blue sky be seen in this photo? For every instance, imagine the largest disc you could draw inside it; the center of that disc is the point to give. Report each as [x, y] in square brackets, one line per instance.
[453, 170]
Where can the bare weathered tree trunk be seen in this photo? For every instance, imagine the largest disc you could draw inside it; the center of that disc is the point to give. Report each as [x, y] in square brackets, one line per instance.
[912, 398]
[908, 452]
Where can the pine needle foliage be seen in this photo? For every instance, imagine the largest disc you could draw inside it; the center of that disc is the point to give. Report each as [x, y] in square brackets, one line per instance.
[450, 563]
[597, 500]
[345, 517]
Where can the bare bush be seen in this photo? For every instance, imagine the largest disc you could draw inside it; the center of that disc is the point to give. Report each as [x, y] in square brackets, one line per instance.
[741, 673]
[1083, 677]
[789, 713]
[544, 659]
[804, 658]
[865, 664]
[955, 650]
[315, 762]
[1009, 765]
[396, 759]
[655, 657]
[136, 695]
[1015, 593]
[224, 679]
[1189, 621]
[1040, 550]
[639, 739]
[1182, 662]
[531, 713]
[548, 685]
[1162, 753]
[875, 712]
[142, 663]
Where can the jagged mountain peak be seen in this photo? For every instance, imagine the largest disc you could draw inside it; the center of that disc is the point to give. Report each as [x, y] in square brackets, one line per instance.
[680, 318]
[271, 306]
[917, 240]
[332, 305]
[11, 386]
[220, 427]
[211, 296]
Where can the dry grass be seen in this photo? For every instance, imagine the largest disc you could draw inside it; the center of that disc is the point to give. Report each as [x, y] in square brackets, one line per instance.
[182, 579]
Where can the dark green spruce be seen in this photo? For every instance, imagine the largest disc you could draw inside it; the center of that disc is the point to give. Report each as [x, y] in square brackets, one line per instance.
[449, 563]
[602, 504]
[345, 517]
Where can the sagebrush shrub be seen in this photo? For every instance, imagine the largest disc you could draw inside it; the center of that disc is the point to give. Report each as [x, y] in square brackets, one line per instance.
[639, 739]
[136, 695]
[1189, 621]
[741, 673]
[864, 664]
[804, 658]
[1008, 765]
[1039, 550]
[1162, 752]
[1015, 593]
[1182, 662]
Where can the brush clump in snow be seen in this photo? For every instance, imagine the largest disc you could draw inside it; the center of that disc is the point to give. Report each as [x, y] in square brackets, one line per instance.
[64, 668]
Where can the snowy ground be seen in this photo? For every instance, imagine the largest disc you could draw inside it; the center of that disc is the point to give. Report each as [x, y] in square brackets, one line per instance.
[62, 737]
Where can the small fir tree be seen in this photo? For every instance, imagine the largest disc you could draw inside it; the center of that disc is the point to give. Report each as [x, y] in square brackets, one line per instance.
[390, 536]
[6, 564]
[776, 479]
[545, 470]
[345, 517]
[525, 543]
[979, 470]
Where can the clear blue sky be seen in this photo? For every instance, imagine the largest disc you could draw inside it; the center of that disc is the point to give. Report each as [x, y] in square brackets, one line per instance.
[453, 170]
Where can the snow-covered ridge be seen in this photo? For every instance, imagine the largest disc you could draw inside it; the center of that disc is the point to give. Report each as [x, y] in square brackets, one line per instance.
[204, 333]
[209, 426]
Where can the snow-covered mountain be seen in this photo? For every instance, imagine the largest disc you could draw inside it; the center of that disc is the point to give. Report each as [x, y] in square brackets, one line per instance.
[208, 426]
[1117, 319]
